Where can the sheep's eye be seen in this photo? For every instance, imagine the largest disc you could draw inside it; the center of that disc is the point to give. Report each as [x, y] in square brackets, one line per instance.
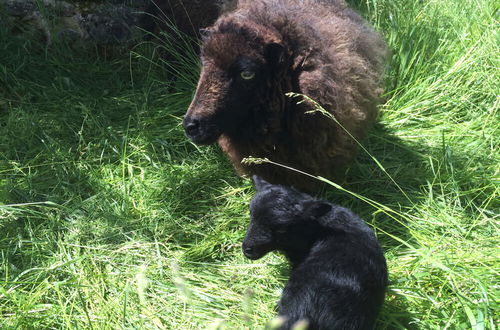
[247, 75]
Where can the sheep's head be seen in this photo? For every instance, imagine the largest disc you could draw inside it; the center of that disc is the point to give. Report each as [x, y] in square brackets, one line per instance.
[240, 63]
[282, 218]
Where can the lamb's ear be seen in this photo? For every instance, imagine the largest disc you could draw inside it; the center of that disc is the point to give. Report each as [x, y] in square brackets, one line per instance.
[315, 209]
[259, 183]
[275, 53]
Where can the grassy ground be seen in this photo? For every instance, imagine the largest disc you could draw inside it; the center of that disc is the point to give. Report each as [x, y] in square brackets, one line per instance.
[110, 218]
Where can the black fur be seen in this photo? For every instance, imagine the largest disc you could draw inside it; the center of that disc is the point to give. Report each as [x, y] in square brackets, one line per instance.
[339, 272]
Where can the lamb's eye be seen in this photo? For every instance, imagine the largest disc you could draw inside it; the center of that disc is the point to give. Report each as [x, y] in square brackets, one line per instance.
[247, 75]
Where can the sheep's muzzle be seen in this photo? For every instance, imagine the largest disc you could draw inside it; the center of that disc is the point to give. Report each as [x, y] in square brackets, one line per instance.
[200, 130]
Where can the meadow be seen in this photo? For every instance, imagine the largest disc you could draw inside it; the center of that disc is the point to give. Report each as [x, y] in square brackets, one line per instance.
[110, 218]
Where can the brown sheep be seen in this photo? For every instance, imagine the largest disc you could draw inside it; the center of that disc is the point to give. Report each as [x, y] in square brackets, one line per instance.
[253, 56]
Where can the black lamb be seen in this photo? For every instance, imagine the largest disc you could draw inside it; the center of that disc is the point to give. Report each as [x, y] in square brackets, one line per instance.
[339, 273]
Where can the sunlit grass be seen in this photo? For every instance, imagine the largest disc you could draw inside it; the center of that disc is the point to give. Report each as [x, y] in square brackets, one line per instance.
[111, 218]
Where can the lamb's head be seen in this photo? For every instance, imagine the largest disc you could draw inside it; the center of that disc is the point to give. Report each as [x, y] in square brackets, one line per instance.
[241, 61]
[281, 218]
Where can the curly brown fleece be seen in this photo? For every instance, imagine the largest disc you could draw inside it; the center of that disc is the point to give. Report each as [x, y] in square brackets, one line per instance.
[319, 48]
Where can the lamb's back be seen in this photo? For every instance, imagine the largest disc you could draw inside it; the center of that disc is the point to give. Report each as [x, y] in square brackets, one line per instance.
[340, 285]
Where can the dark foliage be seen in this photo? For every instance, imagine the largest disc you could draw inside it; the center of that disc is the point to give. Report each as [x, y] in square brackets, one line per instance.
[187, 16]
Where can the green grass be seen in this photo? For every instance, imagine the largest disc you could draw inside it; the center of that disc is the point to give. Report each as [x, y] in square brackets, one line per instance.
[111, 218]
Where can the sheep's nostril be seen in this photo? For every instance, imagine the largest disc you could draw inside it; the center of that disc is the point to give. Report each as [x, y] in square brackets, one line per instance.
[192, 126]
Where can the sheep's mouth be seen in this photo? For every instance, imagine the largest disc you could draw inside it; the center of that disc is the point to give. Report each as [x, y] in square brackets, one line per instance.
[204, 139]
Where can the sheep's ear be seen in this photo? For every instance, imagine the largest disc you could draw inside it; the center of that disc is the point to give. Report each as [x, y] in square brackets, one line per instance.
[259, 183]
[275, 53]
[314, 209]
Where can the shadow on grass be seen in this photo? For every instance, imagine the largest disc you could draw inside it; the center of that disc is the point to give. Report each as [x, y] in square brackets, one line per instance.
[101, 140]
